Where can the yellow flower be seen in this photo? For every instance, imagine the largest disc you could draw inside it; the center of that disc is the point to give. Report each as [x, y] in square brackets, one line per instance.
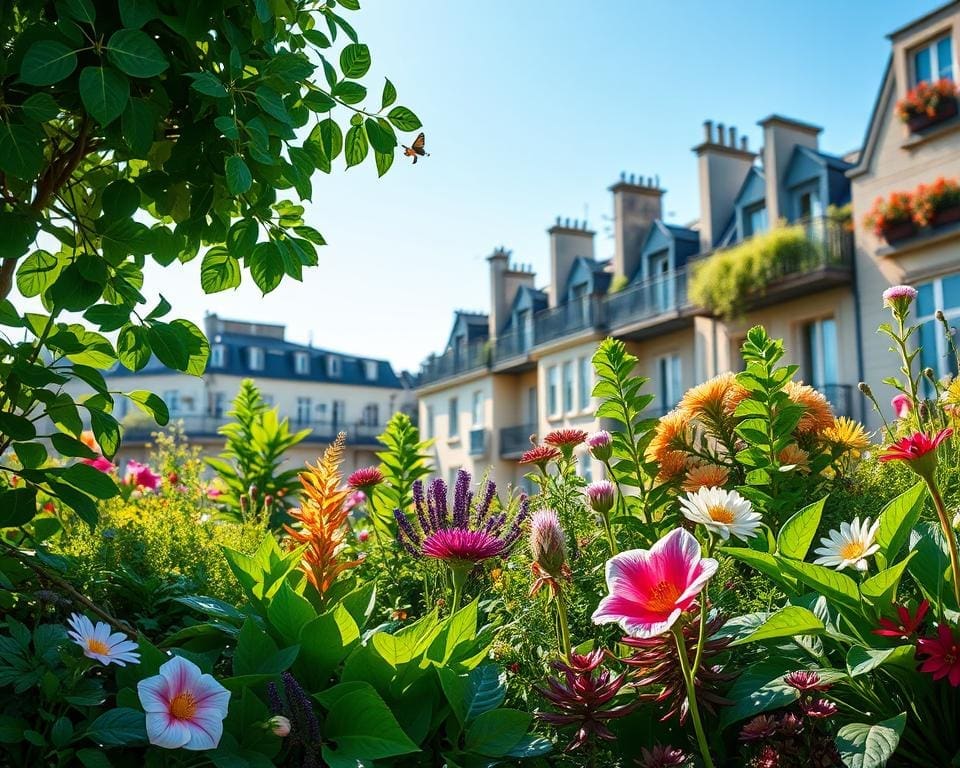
[710, 399]
[817, 413]
[705, 476]
[795, 456]
[670, 435]
[847, 434]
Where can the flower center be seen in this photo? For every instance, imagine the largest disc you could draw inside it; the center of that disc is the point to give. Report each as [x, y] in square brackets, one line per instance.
[720, 514]
[663, 597]
[852, 550]
[183, 706]
[97, 646]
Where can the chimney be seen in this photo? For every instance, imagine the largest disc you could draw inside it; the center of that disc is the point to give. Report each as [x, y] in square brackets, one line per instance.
[568, 240]
[636, 205]
[781, 136]
[505, 280]
[723, 166]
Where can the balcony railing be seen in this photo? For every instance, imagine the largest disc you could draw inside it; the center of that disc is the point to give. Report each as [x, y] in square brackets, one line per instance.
[573, 317]
[203, 425]
[515, 440]
[647, 299]
[511, 345]
[453, 362]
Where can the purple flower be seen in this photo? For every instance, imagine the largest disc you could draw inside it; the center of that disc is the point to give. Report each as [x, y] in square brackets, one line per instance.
[899, 298]
[601, 494]
[600, 445]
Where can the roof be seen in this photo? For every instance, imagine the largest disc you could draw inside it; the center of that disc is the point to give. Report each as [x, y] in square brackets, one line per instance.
[917, 22]
[679, 232]
[835, 162]
[279, 363]
[873, 124]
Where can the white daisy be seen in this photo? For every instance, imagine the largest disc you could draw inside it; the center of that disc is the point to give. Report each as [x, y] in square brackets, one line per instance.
[850, 546]
[725, 513]
[99, 644]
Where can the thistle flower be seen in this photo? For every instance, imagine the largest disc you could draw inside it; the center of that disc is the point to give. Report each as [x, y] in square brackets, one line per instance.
[582, 695]
[565, 439]
[601, 445]
[548, 550]
[662, 756]
[601, 496]
[899, 298]
[655, 662]
[365, 478]
[541, 455]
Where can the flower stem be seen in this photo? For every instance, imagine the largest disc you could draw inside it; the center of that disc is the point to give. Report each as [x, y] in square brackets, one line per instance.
[688, 679]
[564, 627]
[605, 517]
[459, 575]
[948, 534]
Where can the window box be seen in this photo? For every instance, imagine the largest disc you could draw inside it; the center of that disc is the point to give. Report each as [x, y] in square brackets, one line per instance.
[897, 231]
[946, 216]
[945, 110]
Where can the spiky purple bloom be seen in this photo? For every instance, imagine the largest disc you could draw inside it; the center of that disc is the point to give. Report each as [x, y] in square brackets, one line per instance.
[601, 445]
[601, 495]
[899, 293]
[455, 538]
[303, 735]
[365, 478]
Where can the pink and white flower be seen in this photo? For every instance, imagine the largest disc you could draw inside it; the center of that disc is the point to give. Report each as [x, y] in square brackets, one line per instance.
[141, 476]
[101, 464]
[649, 589]
[100, 644]
[185, 707]
[902, 405]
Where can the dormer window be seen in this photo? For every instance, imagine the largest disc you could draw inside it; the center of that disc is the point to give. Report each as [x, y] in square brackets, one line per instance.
[333, 366]
[255, 358]
[218, 356]
[755, 220]
[370, 369]
[934, 61]
[301, 363]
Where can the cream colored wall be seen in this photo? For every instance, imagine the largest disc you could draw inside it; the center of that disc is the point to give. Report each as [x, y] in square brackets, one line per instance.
[900, 163]
[649, 351]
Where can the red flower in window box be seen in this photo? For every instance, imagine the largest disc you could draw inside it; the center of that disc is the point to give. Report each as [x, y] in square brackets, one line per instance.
[928, 104]
[938, 203]
[892, 218]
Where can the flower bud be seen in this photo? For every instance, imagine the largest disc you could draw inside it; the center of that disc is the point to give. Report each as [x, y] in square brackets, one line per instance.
[244, 503]
[279, 725]
[363, 535]
[267, 501]
[602, 495]
[899, 298]
[865, 389]
[601, 445]
[940, 316]
[547, 542]
[252, 491]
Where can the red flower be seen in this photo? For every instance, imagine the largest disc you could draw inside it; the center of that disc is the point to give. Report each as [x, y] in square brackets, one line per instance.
[565, 438]
[662, 756]
[365, 478]
[943, 655]
[541, 455]
[761, 728]
[918, 450]
[818, 708]
[805, 680]
[907, 626]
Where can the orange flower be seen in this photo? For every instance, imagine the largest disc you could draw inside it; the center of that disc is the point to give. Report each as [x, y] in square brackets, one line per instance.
[795, 455]
[705, 476]
[710, 399]
[670, 435]
[817, 413]
[321, 520]
[88, 439]
[672, 464]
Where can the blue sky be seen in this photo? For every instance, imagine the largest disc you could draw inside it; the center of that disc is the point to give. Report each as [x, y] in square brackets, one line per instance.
[532, 109]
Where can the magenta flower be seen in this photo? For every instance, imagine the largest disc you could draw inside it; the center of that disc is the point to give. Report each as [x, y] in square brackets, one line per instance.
[185, 707]
[649, 589]
[355, 499]
[141, 476]
[101, 463]
[601, 445]
[902, 405]
[365, 478]
[899, 297]
[918, 450]
[457, 539]
[601, 494]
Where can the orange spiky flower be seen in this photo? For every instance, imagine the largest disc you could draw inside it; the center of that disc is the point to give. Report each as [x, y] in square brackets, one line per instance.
[321, 520]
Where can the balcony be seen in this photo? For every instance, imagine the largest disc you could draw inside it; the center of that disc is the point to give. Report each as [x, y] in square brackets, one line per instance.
[478, 443]
[515, 440]
[202, 426]
[585, 314]
[454, 362]
[651, 306]
[511, 350]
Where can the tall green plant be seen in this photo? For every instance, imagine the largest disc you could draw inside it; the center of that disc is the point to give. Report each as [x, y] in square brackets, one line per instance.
[406, 459]
[249, 465]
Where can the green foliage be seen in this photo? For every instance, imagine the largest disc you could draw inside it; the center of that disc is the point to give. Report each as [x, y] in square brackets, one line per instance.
[135, 130]
[249, 465]
[404, 460]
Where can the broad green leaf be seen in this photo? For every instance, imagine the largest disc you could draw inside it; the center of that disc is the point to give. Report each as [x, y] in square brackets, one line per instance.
[195, 342]
[47, 62]
[219, 271]
[861, 660]
[31, 455]
[37, 272]
[403, 119]
[165, 343]
[106, 429]
[355, 60]
[363, 729]
[133, 347]
[787, 622]
[496, 732]
[20, 156]
[836, 586]
[136, 54]
[239, 178]
[870, 746]
[384, 161]
[104, 93]
[325, 642]
[70, 446]
[272, 103]
[881, 588]
[135, 13]
[355, 145]
[89, 480]
[40, 107]
[288, 613]
[897, 520]
[19, 229]
[208, 84]
[150, 404]
[266, 266]
[798, 532]
[389, 94]
[81, 10]
[17, 507]
[119, 727]
[16, 427]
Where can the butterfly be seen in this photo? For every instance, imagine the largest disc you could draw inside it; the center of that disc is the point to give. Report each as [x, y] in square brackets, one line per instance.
[416, 149]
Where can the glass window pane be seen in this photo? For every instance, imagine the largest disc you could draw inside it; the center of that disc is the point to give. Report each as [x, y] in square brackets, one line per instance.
[828, 334]
[951, 292]
[925, 307]
[921, 65]
[945, 58]
[928, 353]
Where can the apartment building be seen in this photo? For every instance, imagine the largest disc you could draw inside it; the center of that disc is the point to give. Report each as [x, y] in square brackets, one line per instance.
[523, 367]
[316, 389]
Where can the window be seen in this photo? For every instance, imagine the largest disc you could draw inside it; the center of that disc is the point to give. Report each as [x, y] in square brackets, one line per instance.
[218, 356]
[304, 406]
[810, 205]
[581, 301]
[187, 403]
[172, 398]
[933, 61]
[338, 414]
[822, 359]
[255, 358]
[525, 329]
[428, 427]
[669, 381]
[583, 383]
[333, 366]
[453, 418]
[568, 386]
[371, 414]
[532, 416]
[944, 294]
[370, 369]
[476, 410]
[661, 280]
[755, 220]
[553, 393]
[301, 363]
[215, 404]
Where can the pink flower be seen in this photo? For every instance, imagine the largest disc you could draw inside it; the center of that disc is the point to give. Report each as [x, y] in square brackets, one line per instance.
[902, 405]
[213, 492]
[899, 297]
[918, 450]
[601, 495]
[601, 445]
[101, 463]
[649, 589]
[280, 726]
[185, 708]
[355, 499]
[942, 655]
[363, 535]
[365, 478]
[141, 476]
[462, 546]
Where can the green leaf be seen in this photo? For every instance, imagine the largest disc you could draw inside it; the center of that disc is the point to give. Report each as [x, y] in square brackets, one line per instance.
[31, 455]
[495, 733]
[136, 54]
[349, 92]
[325, 643]
[384, 161]
[355, 145]
[133, 347]
[70, 446]
[165, 343]
[289, 612]
[20, 154]
[870, 746]
[787, 622]
[81, 10]
[150, 404]
[89, 480]
[355, 60]
[382, 140]
[835, 586]
[119, 727]
[106, 429]
[403, 119]
[758, 689]
[138, 123]
[266, 266]
[47, 62]
[272, 103]
[17, 507]
[486, 691]
[897, 520]
[798, 532]
[238, 175]
[16, 427]
[104, 92]
[363, 729]
[219, 271]
[198, 348]
[37, 272]
[242, 236]
[135, 13]
[389, 94]
[208, 84]
[862, 660]
[40, 108]
[881, 588]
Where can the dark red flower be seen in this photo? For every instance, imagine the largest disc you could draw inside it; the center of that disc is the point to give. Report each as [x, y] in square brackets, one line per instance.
[805, 680]
[818, 708]
[541, 455]
[918, 450]
[942, 655]
[768, 758]
[662, 756]
[565, 438]
[582, 695]
[759, 728]
[365, 478]
[907, 624]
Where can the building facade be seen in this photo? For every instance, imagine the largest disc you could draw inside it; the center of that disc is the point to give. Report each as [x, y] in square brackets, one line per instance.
[316, 389]
[523, 367]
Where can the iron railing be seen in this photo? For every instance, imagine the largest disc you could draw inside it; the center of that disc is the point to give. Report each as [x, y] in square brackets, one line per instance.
[510, 345]
[569, 318]
[454, 361]
[205, 425]
[647, 299]
[515, 440]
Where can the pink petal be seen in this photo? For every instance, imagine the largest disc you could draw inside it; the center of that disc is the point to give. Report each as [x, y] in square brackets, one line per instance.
[167, 732]
[652, 629]
[629, 574]
[205, 730]
[704, 572]
[210, 695]
[180, 673]
[154, 693]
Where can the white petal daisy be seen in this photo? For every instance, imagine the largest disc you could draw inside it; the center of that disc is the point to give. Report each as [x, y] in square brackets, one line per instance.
[850, 546]
[99, 644]
[725, 513]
